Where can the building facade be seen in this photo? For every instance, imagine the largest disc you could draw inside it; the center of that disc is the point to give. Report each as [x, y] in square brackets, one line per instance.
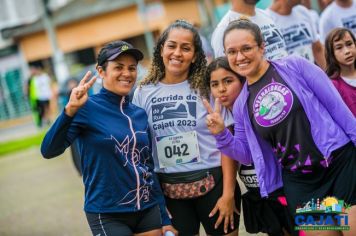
[81, 28]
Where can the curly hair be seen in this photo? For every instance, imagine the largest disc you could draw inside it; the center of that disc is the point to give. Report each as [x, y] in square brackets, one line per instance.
[197, 69]
[332, 65]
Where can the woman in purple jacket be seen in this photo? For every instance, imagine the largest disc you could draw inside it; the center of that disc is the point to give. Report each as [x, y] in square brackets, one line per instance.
[292, 124]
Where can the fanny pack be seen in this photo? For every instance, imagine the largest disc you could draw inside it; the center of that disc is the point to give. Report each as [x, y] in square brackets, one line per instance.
[189, 185]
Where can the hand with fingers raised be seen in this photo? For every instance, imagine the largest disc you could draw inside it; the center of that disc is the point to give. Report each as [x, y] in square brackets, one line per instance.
[214, 120]
[79, 95]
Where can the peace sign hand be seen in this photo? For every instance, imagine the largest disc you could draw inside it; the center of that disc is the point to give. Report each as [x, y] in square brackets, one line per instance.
[79, 95]
[214, 120]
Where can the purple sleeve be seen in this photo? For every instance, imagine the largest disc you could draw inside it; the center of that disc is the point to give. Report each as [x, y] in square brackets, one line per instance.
[235, 146]
[327, 94]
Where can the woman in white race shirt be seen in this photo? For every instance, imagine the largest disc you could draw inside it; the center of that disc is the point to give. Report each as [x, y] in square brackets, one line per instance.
[198, 182]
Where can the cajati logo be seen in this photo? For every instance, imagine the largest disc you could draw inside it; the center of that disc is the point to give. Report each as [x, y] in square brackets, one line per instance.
[328, 214]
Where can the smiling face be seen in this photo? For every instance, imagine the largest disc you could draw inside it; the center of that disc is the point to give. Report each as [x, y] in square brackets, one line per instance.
[120, 74]
[178, 53]
[226, 86]
[345, 51]
[245, 56]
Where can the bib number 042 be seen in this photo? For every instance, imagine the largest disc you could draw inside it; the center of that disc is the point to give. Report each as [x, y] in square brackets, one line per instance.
[177, 149]
[181, 150]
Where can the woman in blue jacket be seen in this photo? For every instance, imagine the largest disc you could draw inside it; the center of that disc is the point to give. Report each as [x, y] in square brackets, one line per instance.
[291, 123]
[122, 194]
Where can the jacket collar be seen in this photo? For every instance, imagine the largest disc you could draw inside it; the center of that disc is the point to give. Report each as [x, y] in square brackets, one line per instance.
[113, 97]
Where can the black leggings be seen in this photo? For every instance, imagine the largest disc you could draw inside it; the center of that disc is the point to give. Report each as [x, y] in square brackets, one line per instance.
[42, 108]
[124, 224]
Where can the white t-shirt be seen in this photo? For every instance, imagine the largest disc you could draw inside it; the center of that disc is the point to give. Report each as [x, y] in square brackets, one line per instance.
[174, 109]
[43, 87]
[335, 16]
[315, 19]
[275, 46]
[351, 82]
[298, 31]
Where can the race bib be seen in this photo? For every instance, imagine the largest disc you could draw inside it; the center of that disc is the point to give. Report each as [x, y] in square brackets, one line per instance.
[178, 149]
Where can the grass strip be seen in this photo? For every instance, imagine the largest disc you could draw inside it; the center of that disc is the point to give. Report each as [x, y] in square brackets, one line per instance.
[21, 144]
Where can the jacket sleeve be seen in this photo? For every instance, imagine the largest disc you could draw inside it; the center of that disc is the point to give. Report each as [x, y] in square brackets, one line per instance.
[235, 146]
[161, 202]
[157, 191]
[326, 93]
[60, 136]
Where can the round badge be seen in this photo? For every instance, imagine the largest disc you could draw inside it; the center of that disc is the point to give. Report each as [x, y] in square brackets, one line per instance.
[272, 104]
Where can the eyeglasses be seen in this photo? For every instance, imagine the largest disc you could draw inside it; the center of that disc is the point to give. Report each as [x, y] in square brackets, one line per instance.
[245, 50]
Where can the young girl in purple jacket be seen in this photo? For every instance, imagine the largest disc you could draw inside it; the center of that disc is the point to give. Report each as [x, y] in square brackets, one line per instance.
[292, 124]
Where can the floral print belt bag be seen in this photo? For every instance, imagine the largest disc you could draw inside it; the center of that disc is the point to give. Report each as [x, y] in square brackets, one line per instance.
[189, 185]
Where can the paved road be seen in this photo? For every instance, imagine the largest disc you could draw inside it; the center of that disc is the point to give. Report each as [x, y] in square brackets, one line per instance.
[40, 197]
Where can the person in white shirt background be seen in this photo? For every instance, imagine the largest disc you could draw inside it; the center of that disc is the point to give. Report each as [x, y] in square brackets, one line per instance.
[274, 43]
[42, 86]
[340, 13]
[313, 13]
[184, 152]
[299, 33]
